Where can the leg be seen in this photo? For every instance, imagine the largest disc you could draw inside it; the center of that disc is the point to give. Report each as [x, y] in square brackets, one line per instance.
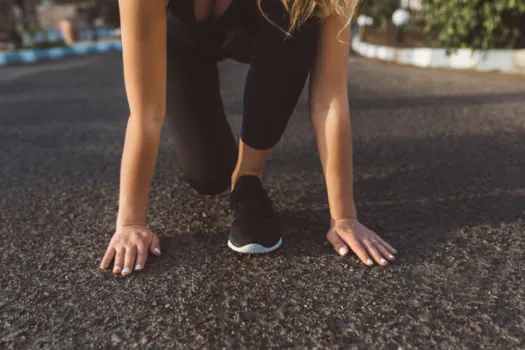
[205, 146]
[273, 86]
[274, 83]
[277, 75]
[250, 161]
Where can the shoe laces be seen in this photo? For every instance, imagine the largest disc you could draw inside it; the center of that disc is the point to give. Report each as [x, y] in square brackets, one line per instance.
[251, 203]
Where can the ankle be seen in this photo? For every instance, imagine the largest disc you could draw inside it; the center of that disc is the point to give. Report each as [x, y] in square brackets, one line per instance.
[236, 176]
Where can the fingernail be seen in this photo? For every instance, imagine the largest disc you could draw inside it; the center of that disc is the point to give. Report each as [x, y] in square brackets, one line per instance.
[126, 270]
[102, 266]
[369, 262]
[157, 250]
[138, 267]
[382, 261]
[390, 256]
[393, 250]
[117, 267]
[343, 250]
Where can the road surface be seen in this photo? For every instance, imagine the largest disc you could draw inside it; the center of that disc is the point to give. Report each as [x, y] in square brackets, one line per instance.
[439, 171]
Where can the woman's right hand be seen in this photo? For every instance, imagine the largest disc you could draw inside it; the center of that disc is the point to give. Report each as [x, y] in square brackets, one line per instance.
[129, 246]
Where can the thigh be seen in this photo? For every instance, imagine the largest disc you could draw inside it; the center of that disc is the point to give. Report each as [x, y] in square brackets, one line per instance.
[205, 146]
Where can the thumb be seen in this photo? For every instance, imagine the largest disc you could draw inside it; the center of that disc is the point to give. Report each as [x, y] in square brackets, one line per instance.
[338, 244]
[155, 245]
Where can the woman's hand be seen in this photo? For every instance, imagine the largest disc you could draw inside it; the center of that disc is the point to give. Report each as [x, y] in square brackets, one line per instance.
[129, 246]
[366, 244]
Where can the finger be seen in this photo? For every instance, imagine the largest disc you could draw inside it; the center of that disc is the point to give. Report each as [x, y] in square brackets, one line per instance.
[360, 251]
[142, 256]
[386, 245]
[384, 251]
[129, 260]
[155, 245]
[108, 256]
[372, 250]
[119, 260]
[338, 244]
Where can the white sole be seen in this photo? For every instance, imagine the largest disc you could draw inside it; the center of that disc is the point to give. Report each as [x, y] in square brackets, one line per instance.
[254, 248]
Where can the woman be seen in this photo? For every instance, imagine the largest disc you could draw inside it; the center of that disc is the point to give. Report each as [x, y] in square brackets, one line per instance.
[283, 41]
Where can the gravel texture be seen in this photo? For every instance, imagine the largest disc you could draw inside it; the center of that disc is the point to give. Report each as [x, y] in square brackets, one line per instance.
[439, 170]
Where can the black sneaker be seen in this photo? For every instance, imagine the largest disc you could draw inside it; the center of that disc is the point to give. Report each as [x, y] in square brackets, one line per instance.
[255, 228]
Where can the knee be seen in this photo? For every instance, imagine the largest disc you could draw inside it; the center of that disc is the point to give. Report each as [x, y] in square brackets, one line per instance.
[209, 185]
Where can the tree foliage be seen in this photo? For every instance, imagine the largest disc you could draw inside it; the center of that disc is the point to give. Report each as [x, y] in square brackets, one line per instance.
[380, 10]
[476, 24]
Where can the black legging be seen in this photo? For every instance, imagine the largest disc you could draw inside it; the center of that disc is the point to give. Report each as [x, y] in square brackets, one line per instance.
[205, 146]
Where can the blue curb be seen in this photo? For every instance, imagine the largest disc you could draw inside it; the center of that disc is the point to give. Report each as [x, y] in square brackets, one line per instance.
[31, 56]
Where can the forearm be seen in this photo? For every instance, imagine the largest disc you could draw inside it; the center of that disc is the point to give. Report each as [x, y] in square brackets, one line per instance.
[330, 114]
[138, 162]
[334, 140]
[143, 26]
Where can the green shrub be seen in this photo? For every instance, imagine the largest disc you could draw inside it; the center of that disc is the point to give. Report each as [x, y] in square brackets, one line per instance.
[381, 11]
[476, 24]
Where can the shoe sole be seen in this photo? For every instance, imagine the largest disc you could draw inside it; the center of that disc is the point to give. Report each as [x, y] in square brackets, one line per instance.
[254, 248]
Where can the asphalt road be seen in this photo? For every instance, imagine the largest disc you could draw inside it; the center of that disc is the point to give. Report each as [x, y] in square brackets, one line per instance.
[440, 173]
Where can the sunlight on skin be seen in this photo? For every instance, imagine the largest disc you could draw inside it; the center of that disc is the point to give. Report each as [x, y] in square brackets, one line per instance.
[366, 244]
[250, 161]
[144, 32]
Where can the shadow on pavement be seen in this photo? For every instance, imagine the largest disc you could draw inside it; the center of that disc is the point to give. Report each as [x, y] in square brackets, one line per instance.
[428, 200]
[436, 101]
[416, 193]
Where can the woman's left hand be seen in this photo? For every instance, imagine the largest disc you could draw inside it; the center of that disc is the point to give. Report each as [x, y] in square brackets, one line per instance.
[365, 243]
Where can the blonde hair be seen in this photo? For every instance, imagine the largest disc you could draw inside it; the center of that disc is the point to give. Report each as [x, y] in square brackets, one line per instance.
[302, 10]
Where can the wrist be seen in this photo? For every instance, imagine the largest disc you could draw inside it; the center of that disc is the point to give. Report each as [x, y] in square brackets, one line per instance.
[349, 220]
[345, 211]
[130, 221]
[132, 224]
[131, 215]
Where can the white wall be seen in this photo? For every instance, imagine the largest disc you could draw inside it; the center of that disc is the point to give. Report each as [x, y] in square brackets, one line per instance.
[48, 17]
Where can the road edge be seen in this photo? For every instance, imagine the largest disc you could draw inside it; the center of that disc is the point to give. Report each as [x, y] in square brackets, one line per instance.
[79, 49]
